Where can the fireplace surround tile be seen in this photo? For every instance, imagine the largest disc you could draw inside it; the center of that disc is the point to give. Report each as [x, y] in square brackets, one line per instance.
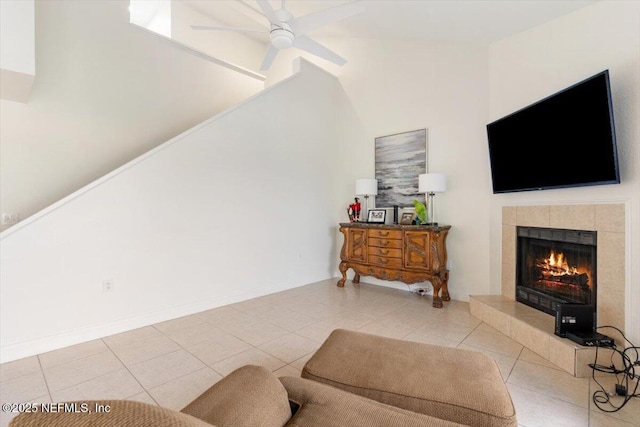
[498, 320]
[610, 217]
[574, 217]
[611, 313]
[530, 337]
[562, 354]
[532, 216]
[508, 260]
[509, 215]
[532, 329]
[611, 261]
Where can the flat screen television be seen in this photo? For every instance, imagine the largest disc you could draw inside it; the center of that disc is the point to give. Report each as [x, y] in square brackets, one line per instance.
[565, 140]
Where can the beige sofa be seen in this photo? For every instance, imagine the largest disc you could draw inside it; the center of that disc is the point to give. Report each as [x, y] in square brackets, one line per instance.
[354, 379]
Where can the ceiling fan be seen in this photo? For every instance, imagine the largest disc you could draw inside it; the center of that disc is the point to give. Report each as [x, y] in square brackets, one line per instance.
[286, 31]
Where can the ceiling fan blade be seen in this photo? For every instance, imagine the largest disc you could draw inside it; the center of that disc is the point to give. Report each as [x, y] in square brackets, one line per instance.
[315, 48]
[268, 11]
[312, 21]
[211, 28]
[269, 57]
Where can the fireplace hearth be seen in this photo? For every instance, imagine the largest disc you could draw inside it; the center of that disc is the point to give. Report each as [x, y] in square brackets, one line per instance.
[555, 266]
[533, 328]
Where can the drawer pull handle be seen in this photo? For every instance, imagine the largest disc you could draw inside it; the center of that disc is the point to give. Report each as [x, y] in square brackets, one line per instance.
[381, 234]
[383, 260]
[384, 242]
[381, 252]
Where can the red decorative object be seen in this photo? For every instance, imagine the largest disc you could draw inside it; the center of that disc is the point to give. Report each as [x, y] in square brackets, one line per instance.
[354, 211]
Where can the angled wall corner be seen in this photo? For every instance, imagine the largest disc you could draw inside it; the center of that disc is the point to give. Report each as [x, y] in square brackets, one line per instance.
[17, 49]
[211, 217]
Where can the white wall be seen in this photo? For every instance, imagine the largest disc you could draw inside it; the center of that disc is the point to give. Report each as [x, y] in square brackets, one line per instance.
[398, 86]
[154, 15]
[17, 36]
[240, 206]
[403, 85]
[106, 91]
[17, 49]
[536, 63]
[231, 46]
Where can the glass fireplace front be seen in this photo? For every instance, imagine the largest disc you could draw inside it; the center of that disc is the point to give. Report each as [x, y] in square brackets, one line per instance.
[555, 266]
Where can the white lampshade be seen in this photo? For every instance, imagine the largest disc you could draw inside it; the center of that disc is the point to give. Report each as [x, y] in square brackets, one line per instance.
[432, 183]
[366, 187]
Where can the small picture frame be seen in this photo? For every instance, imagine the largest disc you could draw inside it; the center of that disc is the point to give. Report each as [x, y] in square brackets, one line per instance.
[377, 216]
[407, 218]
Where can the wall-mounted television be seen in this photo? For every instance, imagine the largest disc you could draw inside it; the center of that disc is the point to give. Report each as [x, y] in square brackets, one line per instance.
[565, 140]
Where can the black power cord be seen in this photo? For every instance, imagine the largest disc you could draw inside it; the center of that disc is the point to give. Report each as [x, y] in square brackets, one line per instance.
[626, 377]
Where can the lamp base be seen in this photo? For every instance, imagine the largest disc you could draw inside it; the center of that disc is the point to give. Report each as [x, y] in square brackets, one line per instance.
[430, 209]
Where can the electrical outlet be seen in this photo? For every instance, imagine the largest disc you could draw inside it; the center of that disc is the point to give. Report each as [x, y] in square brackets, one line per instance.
[9, 219]
[107, 286]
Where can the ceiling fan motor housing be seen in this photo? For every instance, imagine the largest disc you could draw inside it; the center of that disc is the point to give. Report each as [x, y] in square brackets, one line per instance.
[282, 38]
[287, 31]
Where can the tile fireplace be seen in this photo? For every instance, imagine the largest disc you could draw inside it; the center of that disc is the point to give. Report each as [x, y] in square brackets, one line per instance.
[533, 328]
[555, 266]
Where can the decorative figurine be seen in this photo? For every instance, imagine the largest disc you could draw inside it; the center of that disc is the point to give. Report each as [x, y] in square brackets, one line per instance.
[354, 211]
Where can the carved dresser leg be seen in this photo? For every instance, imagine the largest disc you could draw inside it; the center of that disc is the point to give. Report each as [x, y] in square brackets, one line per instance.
[356, 278]
[437, 302]
[343, 270]
[437, 285]
[445, 288]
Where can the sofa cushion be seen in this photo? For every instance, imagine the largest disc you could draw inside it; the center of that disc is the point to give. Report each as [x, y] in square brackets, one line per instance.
[122, 413]
[458, 385]
[326, 406]
[249, 396]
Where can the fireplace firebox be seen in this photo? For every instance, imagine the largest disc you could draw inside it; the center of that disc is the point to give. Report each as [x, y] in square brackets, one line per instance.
[555, 266]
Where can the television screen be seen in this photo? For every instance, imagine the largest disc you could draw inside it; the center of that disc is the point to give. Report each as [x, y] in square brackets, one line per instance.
[565, 140]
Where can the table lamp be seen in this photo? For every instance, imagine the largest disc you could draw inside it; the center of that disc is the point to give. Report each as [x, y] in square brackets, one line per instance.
[430, 184]
[366, 187]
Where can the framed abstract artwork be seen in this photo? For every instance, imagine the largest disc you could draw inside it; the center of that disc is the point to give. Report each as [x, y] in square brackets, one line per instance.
[400, 158]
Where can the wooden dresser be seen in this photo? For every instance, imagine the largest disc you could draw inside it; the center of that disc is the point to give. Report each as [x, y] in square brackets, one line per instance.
[408, 253]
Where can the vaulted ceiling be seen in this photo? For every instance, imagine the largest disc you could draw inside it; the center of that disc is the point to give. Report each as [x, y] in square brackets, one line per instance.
[450, 20]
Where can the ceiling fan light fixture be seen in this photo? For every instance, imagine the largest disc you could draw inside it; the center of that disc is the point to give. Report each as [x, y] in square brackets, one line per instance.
[285, 31]
[281, 38]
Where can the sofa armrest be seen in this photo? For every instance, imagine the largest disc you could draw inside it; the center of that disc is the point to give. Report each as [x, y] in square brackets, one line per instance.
[326, 406]
[107, 413]
[250, 396]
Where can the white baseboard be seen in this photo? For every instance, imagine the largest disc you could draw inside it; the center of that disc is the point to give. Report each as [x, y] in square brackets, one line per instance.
[21, 350]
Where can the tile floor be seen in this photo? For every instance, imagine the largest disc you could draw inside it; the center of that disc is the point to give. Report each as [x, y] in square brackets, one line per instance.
[173, 362]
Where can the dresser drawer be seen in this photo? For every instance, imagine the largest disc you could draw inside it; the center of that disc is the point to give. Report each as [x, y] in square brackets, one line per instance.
[385, 234]
[385, 243]
[385, 252]
[385, 262]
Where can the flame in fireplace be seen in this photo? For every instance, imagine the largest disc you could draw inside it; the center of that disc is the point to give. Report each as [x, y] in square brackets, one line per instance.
[554, 271]
[558, 265]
